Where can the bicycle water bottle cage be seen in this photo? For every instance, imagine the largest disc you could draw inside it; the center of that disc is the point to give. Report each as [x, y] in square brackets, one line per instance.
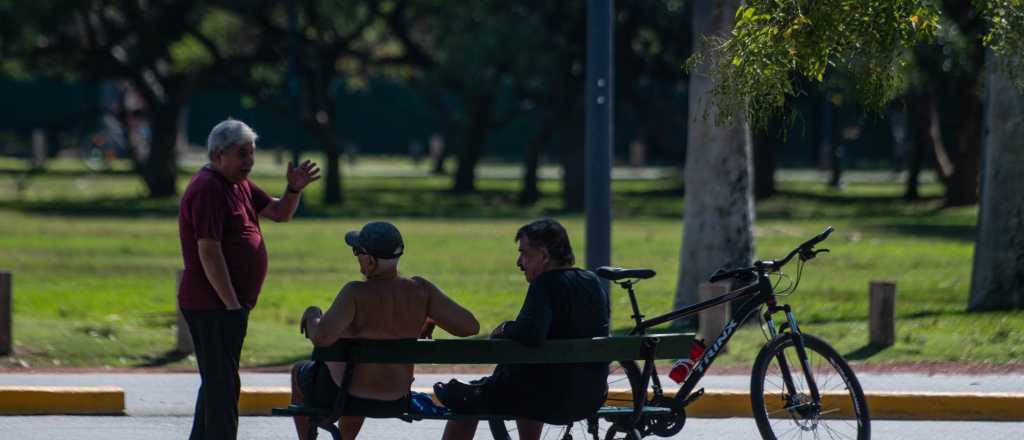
[617, 273]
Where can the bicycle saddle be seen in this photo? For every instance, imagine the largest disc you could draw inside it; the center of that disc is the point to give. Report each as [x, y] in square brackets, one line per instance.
[618, 273]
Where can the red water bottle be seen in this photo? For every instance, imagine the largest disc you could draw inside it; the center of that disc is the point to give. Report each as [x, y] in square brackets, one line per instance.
[682, 367]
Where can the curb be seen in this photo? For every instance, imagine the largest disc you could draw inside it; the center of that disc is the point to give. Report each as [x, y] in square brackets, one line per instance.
[47, 400]
[882, 405]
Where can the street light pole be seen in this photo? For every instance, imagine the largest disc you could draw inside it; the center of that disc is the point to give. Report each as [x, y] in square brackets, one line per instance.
[599, 130]
[292, 81]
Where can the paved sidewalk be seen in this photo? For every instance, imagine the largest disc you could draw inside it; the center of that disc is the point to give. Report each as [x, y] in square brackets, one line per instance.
[277, 428]
[173, 394]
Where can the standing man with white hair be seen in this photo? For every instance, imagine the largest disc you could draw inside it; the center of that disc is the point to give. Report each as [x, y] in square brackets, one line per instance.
[225, 264]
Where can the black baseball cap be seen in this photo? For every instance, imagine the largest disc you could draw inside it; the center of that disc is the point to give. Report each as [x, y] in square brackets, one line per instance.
[379, 239]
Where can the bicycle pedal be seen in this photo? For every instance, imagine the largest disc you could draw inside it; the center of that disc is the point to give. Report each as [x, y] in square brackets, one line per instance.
[693, 397]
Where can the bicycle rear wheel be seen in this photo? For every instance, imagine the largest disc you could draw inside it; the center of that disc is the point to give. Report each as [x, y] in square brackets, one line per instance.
[623, 376]
[780, 414]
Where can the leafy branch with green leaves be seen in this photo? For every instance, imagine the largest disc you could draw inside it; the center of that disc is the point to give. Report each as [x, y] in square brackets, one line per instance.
[774, 43]
[1006, 35]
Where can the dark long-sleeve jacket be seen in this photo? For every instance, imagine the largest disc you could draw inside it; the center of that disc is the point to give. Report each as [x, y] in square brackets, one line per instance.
[560, 304]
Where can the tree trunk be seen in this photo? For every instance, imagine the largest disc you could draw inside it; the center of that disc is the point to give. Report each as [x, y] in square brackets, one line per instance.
[332, 174]
[437, 168]
[925, 134]
[160, 169]
[718, 215]
[534, 150]
[318, 106]
[573, 175]
[834, 147]
[480, 123]
[531, 190]
[966, 115]
[962, 185]
[998, 279]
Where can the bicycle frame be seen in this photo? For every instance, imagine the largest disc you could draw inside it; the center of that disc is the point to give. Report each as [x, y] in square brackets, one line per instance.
[758, 293]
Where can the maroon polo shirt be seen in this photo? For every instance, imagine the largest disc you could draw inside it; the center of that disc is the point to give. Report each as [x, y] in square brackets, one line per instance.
[216, 209]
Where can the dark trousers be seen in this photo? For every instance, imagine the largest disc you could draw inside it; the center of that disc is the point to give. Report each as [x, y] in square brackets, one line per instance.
[217, 336]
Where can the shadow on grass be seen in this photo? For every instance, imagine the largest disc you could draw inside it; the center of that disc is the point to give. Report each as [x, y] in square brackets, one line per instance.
[864, 352]
[130, 207]
[790, 204]
[823, 320]
[68, 173]
[411, 203]
[413, 198]
[967, 233]
[164, 359]
[839, 197]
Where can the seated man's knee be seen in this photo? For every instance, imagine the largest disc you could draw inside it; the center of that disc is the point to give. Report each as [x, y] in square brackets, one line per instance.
[459, 430]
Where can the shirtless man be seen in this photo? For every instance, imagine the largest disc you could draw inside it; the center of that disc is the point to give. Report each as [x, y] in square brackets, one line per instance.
[384, 306]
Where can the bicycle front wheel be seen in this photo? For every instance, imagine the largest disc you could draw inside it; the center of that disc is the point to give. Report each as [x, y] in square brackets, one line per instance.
[783, 413]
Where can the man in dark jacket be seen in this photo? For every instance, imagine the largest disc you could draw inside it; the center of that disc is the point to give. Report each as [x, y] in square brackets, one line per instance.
[562, 302]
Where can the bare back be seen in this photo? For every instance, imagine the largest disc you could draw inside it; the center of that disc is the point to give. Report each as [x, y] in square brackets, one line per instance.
[394, 308]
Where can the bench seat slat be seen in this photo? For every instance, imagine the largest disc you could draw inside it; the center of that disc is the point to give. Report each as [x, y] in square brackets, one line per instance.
[491, 351]
[608, 411]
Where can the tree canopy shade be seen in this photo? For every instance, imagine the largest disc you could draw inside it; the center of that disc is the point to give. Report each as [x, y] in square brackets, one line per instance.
[163, 48]
[331, 42]
[1006, 37]
[773, 41]
[719, 210]
[493, 64]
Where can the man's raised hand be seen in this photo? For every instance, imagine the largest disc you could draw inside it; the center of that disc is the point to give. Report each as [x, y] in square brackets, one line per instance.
[302, 175]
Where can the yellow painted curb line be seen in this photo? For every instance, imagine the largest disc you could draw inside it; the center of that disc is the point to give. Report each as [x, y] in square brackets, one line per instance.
[730, 403]
[947, 406]
[885, 405]
[257, 401]
[24, 400]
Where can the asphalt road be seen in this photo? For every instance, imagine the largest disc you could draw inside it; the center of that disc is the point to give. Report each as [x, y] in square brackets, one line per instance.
[260, 428]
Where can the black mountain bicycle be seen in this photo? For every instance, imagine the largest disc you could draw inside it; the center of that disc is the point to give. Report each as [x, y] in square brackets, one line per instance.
[799, 385]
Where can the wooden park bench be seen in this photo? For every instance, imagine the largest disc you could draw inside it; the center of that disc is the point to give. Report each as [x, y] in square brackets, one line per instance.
[645, 348]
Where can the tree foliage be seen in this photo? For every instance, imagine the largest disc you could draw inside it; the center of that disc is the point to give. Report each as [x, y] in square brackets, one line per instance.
[777, 41]
[1006, 35]
[164, 49]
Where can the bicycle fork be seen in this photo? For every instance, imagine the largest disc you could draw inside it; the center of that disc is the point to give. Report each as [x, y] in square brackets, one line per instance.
[798, 343]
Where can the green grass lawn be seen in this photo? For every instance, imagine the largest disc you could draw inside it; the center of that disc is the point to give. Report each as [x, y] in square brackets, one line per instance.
[94, 263]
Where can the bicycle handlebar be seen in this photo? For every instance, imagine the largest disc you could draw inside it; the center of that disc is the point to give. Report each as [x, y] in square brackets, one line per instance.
[805, 250]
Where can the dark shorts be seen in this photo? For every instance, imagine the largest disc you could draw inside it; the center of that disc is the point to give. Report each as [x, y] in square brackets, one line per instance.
[320, 391]
[555, 403]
